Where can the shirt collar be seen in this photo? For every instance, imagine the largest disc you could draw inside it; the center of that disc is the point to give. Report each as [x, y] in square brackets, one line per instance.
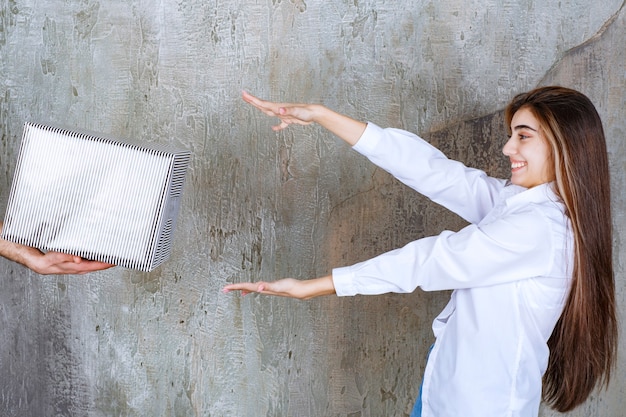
[514, 194]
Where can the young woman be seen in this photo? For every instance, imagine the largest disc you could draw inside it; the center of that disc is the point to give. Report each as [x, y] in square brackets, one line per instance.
[533, 302]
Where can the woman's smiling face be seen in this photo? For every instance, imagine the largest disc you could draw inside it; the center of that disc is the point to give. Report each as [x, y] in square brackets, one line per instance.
[528, 151]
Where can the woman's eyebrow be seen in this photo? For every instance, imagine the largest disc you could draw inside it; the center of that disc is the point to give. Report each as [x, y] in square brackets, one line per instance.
[518, 127]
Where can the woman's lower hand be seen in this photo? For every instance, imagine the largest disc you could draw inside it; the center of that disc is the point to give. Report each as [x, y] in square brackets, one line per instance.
[286, 287]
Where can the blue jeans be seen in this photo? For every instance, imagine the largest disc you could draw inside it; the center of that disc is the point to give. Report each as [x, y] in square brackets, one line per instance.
[417, 408]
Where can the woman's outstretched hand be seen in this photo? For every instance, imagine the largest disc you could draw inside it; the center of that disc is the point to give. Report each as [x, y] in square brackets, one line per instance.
[288, 113]
[346, 128]
[287, 287]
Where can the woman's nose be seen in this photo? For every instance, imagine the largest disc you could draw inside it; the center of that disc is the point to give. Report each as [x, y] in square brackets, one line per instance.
[509, 148]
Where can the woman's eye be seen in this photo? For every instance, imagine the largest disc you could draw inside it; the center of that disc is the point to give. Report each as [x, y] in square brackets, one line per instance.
[523, 137]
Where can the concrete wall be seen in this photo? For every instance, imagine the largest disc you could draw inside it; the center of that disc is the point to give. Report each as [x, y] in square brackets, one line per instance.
[260, 205]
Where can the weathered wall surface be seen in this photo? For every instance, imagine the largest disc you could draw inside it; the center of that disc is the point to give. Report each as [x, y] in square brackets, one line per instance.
[259, 205]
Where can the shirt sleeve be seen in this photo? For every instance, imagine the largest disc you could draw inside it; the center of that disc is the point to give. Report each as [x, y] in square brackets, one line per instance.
[468, 192]
[513, 247]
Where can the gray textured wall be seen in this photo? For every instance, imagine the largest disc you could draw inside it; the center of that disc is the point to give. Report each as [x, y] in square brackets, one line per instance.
[263, 205]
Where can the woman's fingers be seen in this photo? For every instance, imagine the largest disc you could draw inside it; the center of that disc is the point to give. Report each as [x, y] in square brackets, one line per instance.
[244, 287]
[267, 107]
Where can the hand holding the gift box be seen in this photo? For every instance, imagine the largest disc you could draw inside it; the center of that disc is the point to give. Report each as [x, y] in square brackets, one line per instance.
[50, 262]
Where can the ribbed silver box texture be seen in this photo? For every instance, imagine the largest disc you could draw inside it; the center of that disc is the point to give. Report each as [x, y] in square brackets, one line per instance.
[100, 198]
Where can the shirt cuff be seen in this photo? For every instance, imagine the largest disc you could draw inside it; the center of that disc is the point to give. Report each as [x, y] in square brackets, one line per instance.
[343, 280]
[369, 139]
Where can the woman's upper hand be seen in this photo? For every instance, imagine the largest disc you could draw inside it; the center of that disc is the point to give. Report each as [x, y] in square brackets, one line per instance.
[346, 128]
[288, 113]
[287, 287]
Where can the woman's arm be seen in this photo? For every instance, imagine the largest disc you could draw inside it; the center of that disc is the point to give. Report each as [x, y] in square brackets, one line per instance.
[522, 244]
[344, 127]
[467, 192]
[287, 287]
[48, 263]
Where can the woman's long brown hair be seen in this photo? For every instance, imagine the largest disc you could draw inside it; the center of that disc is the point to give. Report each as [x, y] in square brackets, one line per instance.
[583, 345]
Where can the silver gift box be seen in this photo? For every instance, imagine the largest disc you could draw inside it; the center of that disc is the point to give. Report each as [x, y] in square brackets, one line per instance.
[96, 197]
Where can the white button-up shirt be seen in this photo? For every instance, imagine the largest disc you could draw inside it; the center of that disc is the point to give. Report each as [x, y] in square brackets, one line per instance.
[509, 269]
